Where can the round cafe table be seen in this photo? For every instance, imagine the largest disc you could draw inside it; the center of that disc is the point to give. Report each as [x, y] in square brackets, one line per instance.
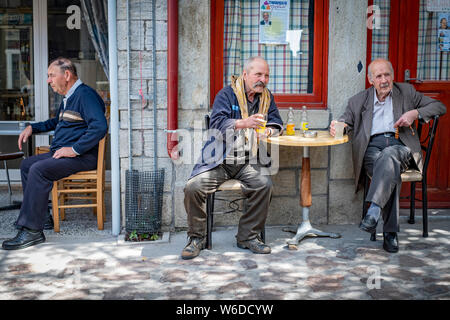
[323, 138]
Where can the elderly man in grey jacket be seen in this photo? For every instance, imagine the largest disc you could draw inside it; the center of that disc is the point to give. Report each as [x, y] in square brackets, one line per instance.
[372, 118]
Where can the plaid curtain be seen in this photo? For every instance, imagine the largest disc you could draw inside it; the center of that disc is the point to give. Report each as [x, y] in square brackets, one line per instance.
[431, 63]
[380, 37]
[288, 74]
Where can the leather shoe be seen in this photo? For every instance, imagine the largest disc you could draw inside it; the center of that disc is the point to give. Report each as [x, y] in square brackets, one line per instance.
[368, 224]
[193, 248]
[24, 238]
[390, 242]
[255, 245]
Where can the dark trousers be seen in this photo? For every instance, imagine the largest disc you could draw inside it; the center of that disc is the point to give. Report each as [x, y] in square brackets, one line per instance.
[38, 174]
[257, 189]
[385, 159]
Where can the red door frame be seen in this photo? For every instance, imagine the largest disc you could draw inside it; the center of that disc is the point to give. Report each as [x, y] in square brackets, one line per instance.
[315, 100]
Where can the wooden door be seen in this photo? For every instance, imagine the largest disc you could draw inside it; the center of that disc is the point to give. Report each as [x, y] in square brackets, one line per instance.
[414, 48]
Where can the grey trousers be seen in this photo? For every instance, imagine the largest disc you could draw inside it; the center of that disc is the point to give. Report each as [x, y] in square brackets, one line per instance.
[385, 159]
[257, 189]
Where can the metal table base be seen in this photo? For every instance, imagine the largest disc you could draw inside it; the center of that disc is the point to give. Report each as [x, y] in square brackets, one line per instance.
[305, 229]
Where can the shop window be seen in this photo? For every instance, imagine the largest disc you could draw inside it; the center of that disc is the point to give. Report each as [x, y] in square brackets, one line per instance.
[297, 58]
[16, 62]
[70, 35]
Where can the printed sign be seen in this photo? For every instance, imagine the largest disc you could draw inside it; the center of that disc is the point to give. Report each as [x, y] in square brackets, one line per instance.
[438, 5]
[274, 21]
[443, 31]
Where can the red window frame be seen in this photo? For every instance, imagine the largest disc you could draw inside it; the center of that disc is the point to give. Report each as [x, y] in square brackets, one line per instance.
[315, 100]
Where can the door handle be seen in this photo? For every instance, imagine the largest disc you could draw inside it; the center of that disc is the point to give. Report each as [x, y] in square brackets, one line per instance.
[408, 79]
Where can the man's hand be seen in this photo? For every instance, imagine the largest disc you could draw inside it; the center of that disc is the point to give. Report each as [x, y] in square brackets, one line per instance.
[255, 121]
[24, 135]
[267, 133]
[333, 128]
[407, 119]
[64, 152]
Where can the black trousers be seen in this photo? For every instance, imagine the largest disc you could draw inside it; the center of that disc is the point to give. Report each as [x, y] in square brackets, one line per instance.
[38, 174]
[385, 159]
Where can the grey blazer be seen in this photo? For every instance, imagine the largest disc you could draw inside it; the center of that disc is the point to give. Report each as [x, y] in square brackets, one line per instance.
[359, 113]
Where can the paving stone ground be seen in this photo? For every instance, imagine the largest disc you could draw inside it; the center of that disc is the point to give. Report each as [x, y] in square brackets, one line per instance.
[352, 267]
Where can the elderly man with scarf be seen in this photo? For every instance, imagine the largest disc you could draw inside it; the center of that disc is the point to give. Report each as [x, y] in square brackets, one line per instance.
[231, 153]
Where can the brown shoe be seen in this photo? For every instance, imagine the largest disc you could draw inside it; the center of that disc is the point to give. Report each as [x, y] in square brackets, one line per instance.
[193, 248]
[255, 245]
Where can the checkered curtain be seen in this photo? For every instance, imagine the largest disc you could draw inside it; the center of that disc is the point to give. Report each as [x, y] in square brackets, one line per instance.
[288, 74]
[380, 36]
[431, 63]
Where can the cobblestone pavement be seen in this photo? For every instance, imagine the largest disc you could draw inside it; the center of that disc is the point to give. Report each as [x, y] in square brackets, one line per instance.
[351, 267]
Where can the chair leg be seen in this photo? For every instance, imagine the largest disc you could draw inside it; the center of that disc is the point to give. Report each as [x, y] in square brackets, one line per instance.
[209, 220]
[424, 208]
[55, 206]
[365, 191]
[412, 204]
[62, 211]
[263, 234]
[99, 207]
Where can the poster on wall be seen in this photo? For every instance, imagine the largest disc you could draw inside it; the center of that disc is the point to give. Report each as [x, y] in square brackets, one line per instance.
[444, 31]
[438, 5]
[273, 21]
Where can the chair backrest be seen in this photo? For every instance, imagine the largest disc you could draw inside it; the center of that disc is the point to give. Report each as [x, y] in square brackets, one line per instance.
[101, 159]
[427, 139]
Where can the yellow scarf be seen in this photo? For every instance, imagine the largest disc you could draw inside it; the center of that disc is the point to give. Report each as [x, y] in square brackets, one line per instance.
[238, 86]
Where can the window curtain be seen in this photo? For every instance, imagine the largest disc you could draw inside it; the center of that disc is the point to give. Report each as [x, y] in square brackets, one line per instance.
[288, 74]
[380, 37]
[95, 15]
[431, 63]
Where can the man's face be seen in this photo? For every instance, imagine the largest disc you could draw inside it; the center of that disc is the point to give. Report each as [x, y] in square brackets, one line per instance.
[257, 77]
[382, 78]
[266, 17]
[57, 79]
[443, 24]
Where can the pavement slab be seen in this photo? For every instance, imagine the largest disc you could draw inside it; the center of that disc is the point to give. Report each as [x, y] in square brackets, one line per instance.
[96, 266]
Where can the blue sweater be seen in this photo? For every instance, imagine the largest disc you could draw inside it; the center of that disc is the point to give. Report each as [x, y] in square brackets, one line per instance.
[224, 114]
[81, 125]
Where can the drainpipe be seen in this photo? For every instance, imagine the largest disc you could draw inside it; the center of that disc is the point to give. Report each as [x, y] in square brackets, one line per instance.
[114, 120]
[172, 78]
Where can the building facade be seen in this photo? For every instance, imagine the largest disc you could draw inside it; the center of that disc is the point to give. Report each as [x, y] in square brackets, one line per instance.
[199, 44]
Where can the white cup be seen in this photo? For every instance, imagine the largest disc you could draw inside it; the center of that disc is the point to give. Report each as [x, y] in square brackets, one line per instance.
[339, 130]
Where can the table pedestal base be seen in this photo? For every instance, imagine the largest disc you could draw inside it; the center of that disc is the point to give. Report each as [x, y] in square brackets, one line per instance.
[305, 229]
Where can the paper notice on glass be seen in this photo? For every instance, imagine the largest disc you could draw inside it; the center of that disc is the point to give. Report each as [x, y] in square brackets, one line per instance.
[274, 21]
[438, 5]
[293, 37]
[443, 31]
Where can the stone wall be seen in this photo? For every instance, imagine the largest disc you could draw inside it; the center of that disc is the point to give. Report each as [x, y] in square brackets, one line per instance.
[141, 71]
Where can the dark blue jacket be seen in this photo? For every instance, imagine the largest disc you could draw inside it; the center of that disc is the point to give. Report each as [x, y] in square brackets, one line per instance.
[224, 114]
[81, 125]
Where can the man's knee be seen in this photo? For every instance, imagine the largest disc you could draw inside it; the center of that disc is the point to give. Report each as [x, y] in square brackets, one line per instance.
[192, 187]
[26, 164]
[264, 183]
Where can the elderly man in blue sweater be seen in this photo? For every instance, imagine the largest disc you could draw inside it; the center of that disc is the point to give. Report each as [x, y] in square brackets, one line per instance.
[79, 125]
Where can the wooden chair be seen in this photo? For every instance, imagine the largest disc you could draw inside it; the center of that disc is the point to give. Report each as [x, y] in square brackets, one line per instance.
[84, 185]
[413, 176]
[229, 185]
